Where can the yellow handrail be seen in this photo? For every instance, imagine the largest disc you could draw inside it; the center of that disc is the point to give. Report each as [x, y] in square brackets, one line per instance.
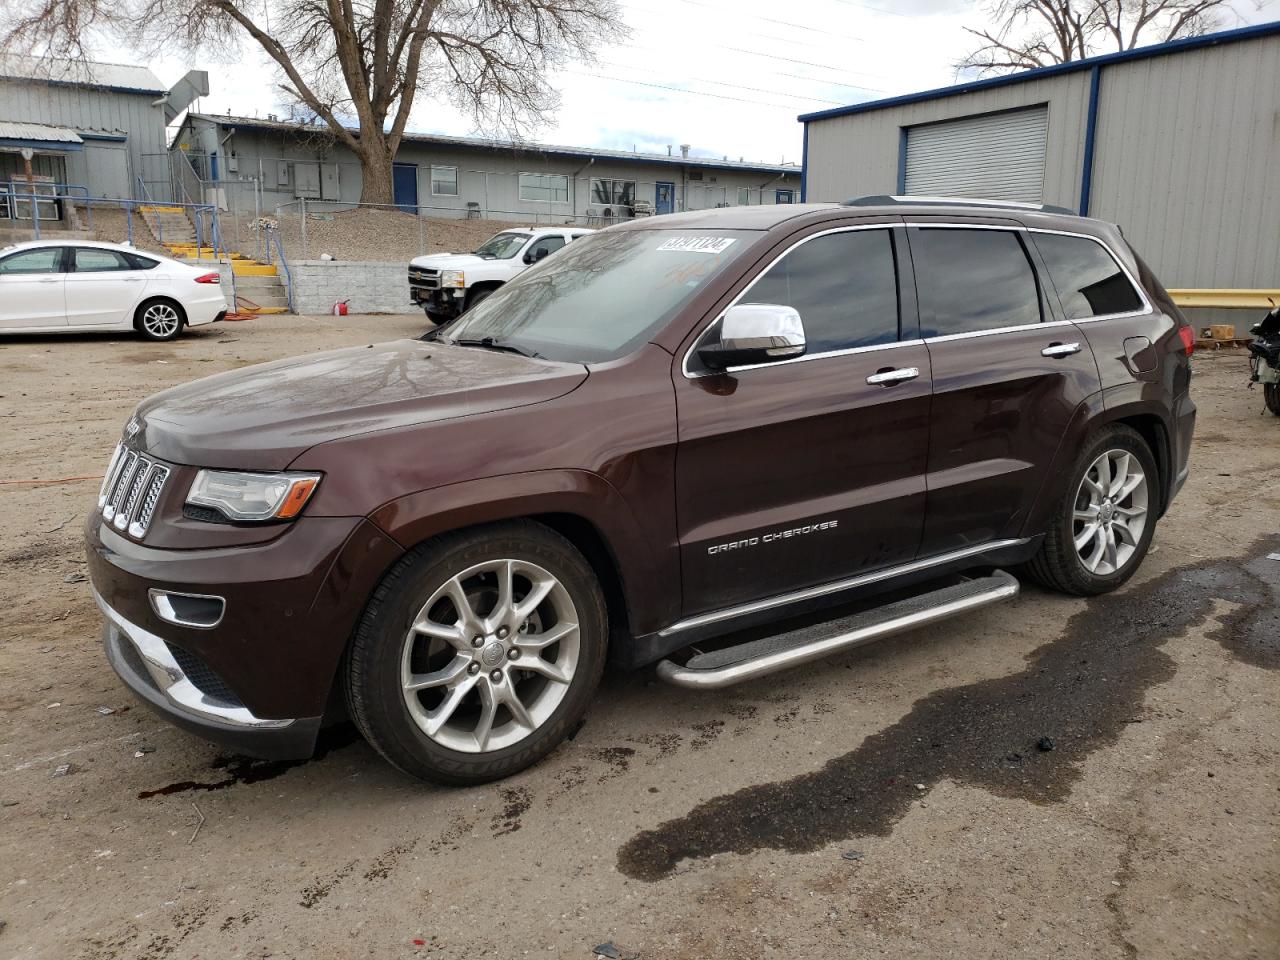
[1230, 299]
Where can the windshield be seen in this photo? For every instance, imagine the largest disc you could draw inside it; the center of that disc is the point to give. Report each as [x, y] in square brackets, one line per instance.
[502, 246]
[602, 295]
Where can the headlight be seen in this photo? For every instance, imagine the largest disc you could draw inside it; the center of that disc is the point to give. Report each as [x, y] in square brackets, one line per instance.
[246, 497]
[453, 278]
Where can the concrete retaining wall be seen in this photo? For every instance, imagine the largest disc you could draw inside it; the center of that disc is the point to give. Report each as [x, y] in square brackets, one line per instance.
[368, 286]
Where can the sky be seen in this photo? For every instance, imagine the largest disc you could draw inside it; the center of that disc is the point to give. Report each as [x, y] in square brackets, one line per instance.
[727, 77]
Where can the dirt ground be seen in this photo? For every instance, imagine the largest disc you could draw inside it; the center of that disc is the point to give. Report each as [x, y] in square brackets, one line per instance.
[890, 802]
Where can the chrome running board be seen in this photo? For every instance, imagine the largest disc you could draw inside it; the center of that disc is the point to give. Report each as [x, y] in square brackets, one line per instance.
[839, 586]
[723, 668]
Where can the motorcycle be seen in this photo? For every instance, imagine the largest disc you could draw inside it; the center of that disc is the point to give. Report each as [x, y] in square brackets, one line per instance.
[1264, 358]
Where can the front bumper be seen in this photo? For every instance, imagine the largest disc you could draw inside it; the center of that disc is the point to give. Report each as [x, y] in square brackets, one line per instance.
[257, 677]
[148, 667]
[444, 303]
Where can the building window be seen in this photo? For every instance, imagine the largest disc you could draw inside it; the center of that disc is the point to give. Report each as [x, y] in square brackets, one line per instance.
[548, 187]
[621, 192]
[744, 196]
[444, 181]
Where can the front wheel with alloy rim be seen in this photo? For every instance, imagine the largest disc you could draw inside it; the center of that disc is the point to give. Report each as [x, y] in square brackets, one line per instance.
[478, 653]
[159, 320]
[1271, 394]
[1104, 524]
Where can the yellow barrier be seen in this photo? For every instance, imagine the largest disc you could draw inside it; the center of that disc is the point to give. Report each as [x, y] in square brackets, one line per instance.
[1230, 299]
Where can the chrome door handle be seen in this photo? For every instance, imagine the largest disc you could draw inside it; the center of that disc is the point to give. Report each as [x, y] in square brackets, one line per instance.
[1060, 350]
[50, 279]
[885, 377]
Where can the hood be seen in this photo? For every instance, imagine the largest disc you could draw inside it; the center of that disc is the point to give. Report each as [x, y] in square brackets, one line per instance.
[448, 261]
[262, 417]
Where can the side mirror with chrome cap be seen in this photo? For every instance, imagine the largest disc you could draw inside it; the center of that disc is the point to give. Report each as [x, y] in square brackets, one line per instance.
[755, 333]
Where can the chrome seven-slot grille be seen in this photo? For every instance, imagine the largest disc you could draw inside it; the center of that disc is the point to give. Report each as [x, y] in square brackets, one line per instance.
[131, 490]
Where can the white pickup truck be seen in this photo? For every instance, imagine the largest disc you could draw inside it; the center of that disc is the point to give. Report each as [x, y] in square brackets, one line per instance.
[446, 284]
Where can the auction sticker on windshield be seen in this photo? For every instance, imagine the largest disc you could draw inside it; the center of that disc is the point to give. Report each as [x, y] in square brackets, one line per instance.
[698, 244]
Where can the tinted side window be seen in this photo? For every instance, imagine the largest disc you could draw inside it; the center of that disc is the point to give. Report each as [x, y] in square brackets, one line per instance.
[141, 263]
[971, 280]
[91, 260]
[1089, 282]
[42, 260]
[844, 286]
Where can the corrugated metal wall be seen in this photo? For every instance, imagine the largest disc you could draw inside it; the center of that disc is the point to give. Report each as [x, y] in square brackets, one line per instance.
[1187, 155]
[1188, 162]
[857, 155]
[102, 111]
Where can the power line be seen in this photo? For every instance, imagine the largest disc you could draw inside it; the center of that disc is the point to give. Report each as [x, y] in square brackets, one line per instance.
[737, 86]
[695, 93]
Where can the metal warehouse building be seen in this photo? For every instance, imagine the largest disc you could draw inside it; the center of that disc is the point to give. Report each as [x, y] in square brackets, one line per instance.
[1177, 143]
[98, 127]
[445, 176]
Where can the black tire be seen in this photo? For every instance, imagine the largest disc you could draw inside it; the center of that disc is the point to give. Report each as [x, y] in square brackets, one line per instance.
[374, 691]
[1271, 393]
[437, 318]
[476, 296]
[147, 328]
[1058, 565]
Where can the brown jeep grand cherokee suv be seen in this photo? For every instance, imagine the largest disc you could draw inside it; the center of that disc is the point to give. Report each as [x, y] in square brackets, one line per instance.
[674, 429]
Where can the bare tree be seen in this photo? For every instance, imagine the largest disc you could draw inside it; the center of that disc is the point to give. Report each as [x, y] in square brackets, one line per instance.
[357, 65]
[1038, 33]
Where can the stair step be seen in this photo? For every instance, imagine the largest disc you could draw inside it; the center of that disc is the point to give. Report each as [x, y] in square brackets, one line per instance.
[757, 658]
[250, 268]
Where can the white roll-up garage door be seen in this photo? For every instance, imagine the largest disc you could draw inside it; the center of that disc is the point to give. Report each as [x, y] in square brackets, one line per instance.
[997, 156]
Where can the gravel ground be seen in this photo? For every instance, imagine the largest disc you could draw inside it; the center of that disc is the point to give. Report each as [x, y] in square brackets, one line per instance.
[359, 234]
[111, 225]
[364, 234]
[890, 802]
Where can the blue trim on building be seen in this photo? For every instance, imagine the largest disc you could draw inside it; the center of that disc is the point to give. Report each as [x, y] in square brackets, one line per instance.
[1090, 131]
[1156, 50]
[43, 146]
[902, 161]
[112, 137]
[804, 166]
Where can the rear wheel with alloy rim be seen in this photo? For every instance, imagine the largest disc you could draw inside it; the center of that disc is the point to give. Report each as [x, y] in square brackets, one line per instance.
[478, 653]
[159, 320]
[1105, 522]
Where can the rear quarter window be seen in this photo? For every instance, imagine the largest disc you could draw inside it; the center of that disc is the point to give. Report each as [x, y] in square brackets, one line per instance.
[1089, 281]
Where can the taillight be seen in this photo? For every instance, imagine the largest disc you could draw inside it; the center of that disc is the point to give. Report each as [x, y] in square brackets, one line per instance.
[209, 278]
[1188, 338]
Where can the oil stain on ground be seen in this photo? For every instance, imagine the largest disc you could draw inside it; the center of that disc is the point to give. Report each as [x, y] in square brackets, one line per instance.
[1021, 736]
[238, 769]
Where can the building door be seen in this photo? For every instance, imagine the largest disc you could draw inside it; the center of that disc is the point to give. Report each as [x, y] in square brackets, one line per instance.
[997, 156]
[784, 196]
[108, 169]
[329, 182]
[404, 185]
[664, 197]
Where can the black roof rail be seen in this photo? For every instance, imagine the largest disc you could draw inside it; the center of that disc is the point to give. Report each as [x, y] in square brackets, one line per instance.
[884, 200]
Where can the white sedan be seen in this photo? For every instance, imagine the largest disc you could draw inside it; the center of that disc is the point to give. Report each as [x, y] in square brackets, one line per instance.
[64, 286]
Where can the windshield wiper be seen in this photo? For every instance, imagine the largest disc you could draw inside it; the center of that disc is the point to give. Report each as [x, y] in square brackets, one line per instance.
[492, 343]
